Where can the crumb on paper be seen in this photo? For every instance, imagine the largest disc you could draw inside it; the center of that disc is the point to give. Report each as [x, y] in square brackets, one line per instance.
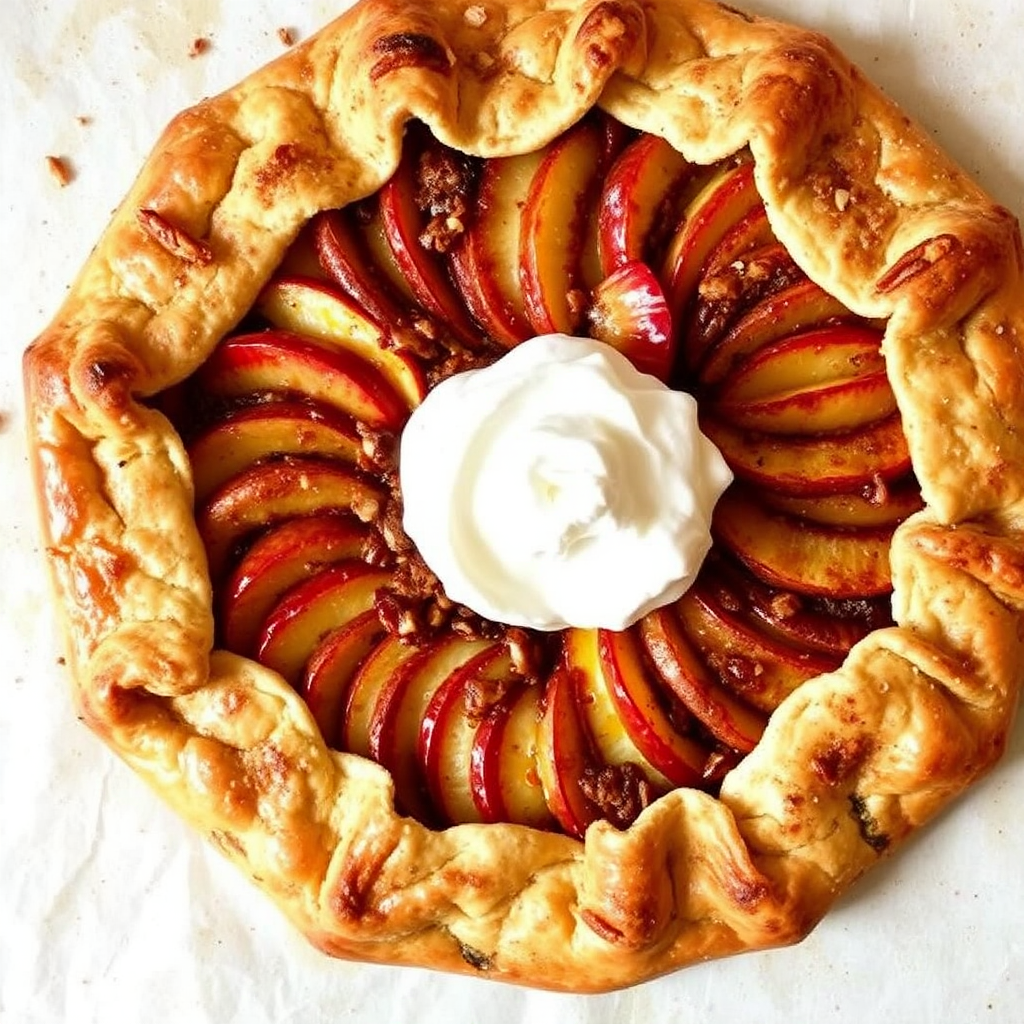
[475, 15]
[60, 170]
[286, 35]
[84, 119]
[199, 46]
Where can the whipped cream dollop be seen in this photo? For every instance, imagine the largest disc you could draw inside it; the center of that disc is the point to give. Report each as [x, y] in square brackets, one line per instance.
[560, 487]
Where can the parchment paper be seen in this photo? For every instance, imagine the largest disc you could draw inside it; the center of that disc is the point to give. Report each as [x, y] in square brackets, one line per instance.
[110, 910]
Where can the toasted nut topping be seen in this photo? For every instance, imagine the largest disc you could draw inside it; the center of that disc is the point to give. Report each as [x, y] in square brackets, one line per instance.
[177, 242]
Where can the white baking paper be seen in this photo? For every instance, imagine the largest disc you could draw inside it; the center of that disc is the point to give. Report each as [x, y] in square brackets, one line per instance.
[111, 910]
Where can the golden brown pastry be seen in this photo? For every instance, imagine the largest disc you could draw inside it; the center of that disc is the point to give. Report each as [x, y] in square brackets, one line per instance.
[850, 764]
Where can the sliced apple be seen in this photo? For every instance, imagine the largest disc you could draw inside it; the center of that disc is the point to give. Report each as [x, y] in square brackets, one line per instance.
[829, 627]
[611, 739]
[279, 559]
[724, 296]
[485, 263]
[448, 732]
[302, 258]
[398, 712]
[425, 272]
[629, 312]
[332, 667]
[750, 232]
[563, 757]
[871, 507]
[503, 764]
[811, 466]
[311, 609]
[638, 187]
[762, 670]
[840, 405]
[316, 309]
[821, 356]
[253, 433]
[283, 363]
[370, 222]
[802, 556]
[794, 309]
[679, 758]
[726, 198]
[279, 490]
[344, 256]
[679, 667]
[552, 231]
[375, 672]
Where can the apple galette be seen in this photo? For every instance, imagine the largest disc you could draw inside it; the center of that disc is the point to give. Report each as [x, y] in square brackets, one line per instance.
[538, 485]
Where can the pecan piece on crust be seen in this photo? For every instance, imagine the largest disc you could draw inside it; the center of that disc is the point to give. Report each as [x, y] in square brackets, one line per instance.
[177, 242]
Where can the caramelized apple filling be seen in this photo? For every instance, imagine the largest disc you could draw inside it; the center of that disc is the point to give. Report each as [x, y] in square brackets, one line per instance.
[291, 428]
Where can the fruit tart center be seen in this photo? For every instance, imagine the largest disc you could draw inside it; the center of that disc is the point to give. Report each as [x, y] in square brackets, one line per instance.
[560, 487]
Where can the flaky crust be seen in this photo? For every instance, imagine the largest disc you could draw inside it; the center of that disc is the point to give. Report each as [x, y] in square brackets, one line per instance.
[850, 765]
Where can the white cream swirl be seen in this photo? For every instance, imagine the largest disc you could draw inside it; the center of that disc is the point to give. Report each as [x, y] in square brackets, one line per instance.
[560, 487]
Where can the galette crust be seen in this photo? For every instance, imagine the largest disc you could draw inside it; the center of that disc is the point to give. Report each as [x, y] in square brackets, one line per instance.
[850, 765]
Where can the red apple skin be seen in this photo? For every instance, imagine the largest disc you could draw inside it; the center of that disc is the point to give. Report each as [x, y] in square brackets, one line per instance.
[386, 660]
[760, 669]
[800, 556]
[287, 364]
[682, 670]
[679, 758]
[836, 406]
[503, 766]
[629, 312]
[331, 668]
[316, 309]
[272, 491]
[345, 258]
[279, 559]
[563, 756]
[251, 434]
[485, 262]
[426, 274]
[752, 231]
[553, 230]
[609, 736]
[795, 309]
[313, 608]
[885, 505]
[790, 618]
[636, 188]
[819, 356]
[729, 196]
[813, 466]
[447, 735]
[395, 722]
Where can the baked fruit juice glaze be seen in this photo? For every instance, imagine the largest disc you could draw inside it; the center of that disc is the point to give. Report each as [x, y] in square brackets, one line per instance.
[478, 717]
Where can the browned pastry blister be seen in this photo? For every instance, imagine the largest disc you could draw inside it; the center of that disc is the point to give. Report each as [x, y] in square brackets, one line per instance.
[850, 764]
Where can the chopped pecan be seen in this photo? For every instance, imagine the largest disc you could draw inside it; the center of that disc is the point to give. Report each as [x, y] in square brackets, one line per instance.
[444, 183]
[176, 241]
[620, 792]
